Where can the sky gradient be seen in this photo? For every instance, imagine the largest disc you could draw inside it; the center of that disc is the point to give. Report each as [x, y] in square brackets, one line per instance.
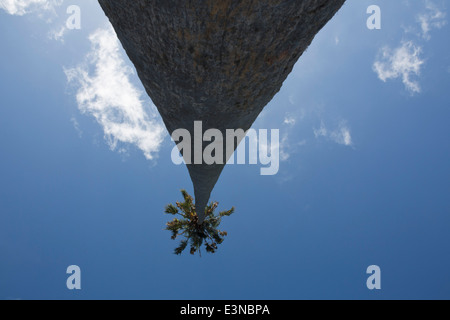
[364, 179]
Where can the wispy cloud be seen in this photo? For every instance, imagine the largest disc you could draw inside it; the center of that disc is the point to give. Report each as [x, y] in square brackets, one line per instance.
[403, 62]
[106, 92]
[22, 7]
[76, 125]
[292, 99]
[432, 18]
[57, 34]
[321, 131]
[289, 143]
[341, 135]
[289, 120]
[285, 148]
[43, 9]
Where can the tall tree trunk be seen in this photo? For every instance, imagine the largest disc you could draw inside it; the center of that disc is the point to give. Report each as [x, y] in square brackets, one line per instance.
[216, 61]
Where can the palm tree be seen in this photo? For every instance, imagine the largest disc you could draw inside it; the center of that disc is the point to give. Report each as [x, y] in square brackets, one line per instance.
[195, 67]
[188, 225]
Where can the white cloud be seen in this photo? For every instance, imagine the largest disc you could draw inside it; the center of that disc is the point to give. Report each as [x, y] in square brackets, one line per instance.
[58, 34]
[432, 18]
[21, 7]
[106, 92]
[76, 125]
[292, 99]
[288, 147]
[403, 62]
[284, 147]
[289, 120]
[322, 131]
[341, 135]
[45, 9]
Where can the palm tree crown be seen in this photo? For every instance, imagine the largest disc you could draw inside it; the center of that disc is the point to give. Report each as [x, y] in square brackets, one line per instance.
[194, 233]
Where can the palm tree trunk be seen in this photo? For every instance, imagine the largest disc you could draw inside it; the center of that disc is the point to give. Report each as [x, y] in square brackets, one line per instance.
[217, 61]
[203, 177]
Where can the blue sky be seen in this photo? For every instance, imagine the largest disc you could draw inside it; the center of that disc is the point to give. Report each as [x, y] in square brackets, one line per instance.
[364, 179]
